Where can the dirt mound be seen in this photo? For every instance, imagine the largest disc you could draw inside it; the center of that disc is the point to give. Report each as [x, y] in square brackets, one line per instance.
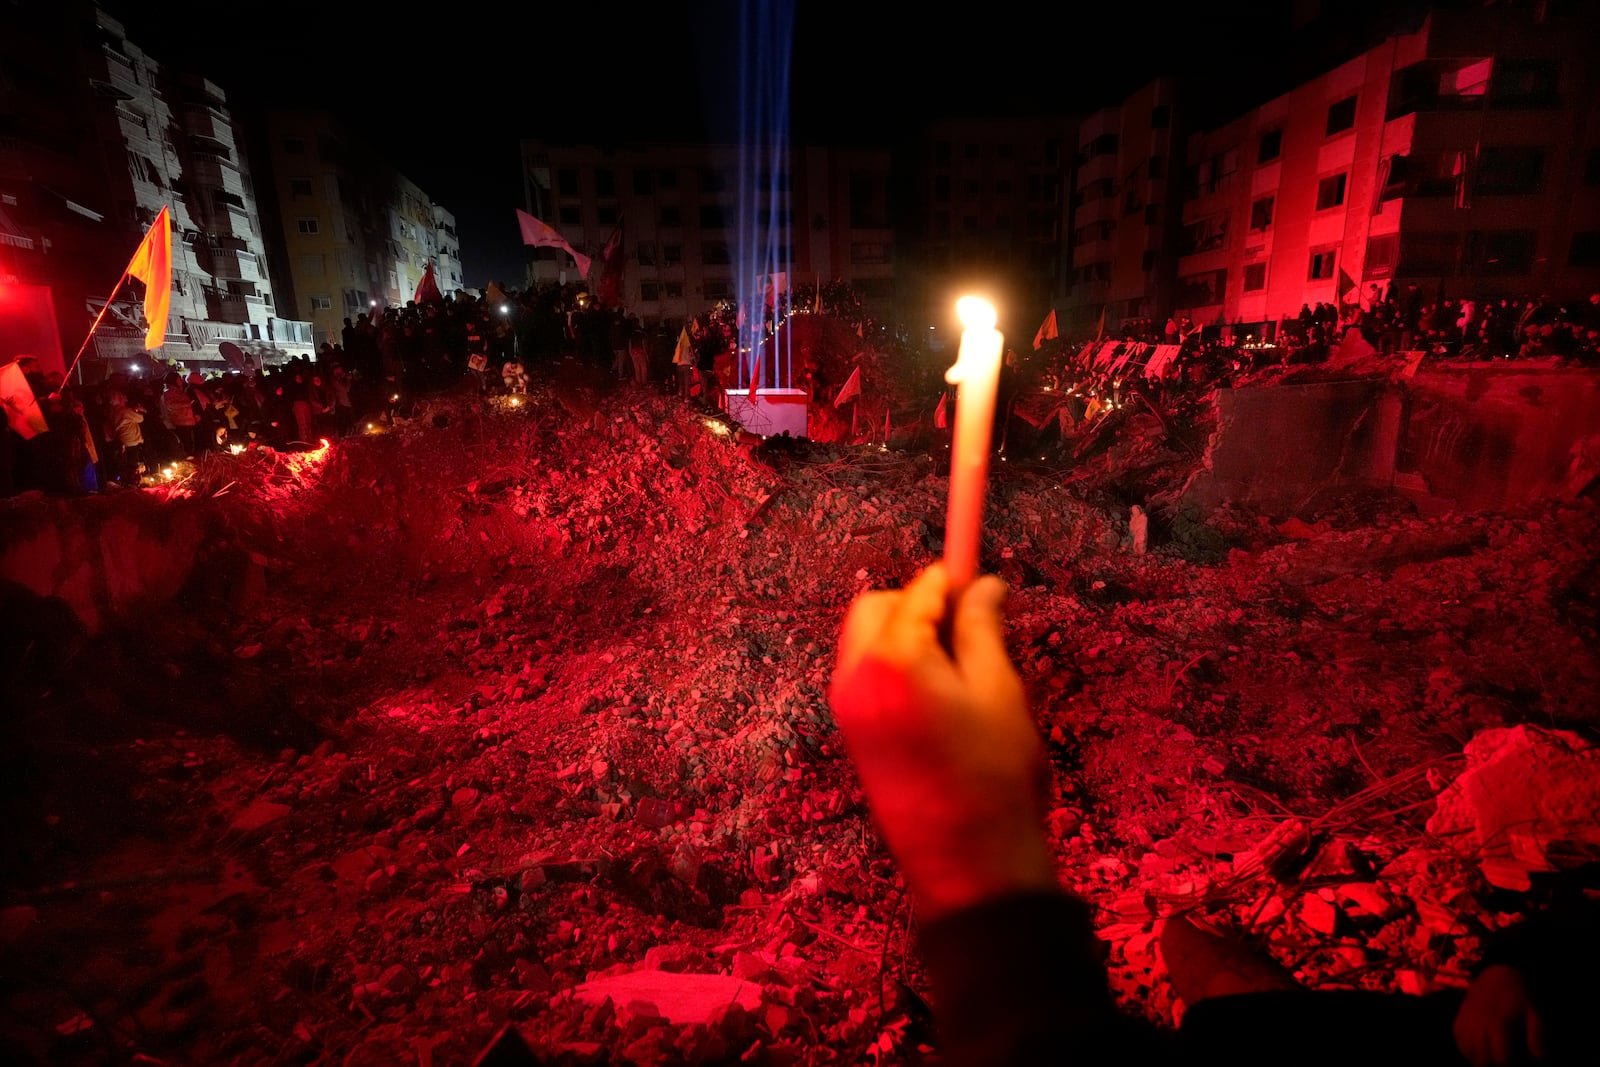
[562, 668]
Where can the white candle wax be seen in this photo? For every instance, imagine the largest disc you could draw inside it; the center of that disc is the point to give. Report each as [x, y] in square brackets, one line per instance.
[976, 375]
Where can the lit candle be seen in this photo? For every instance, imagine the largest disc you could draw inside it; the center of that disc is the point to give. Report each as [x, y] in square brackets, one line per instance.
[977, 376]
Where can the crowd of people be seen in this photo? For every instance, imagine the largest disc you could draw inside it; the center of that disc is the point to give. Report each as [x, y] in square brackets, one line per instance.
[132, 425]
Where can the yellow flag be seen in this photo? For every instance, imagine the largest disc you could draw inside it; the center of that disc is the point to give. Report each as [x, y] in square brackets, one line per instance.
[152, 264]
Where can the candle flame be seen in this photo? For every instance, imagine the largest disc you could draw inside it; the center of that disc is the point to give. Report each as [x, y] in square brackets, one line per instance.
[977, 317]
[976, 313]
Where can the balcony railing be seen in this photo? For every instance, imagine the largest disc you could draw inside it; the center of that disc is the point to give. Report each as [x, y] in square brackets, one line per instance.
[204, 122]
[290, 330]
[212, 171]
[229, 264]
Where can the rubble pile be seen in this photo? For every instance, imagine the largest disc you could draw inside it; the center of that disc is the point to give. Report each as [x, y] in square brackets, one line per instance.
[519, 720]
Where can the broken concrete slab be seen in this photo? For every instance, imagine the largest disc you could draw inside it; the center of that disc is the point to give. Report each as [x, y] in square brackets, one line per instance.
[679, 998]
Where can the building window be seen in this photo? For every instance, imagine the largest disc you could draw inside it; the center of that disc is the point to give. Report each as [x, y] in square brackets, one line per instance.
[1104, 145]
[646, 253]
[869, 252]
[1207, 234]
[1585, 251]
[1152, 214]
[1382, 252]
[1202, 290]
[713, 180]
[1508, 170]
[1261, 213]
[643, 181]
[714, 252]
[1341, 116]
[1500, 251]
[1271, 146]
[1591, 169]
[970, 150]
[1524, 83]
[319, 302]
[605, 182]
[1148, 260]
[649, 291]
[718, 289]
[1429, 253]
[941, 153]
[567, 181]
[969, 189]
[1255, 277]
[1161, 117]
[1002, 151]
[1002, 187]
[1322, 260]
[941, 188]
[294, 146]
[299, 186]
[606, 215]
[667, 178]
[307, 227]
[570, 216]
[671, 255]
[1330, 192]
[673, 290]
[671, 216]
[941, 224]
[969, 223]
[713, 216]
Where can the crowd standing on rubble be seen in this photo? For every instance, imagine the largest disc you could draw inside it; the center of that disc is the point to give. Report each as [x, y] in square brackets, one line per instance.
[129, 428]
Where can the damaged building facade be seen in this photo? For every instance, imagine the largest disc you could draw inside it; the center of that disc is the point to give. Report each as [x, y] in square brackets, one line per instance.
[99, 137]
[1460, 158]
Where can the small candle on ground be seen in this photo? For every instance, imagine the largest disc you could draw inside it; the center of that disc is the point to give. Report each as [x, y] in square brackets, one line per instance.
[977, 376]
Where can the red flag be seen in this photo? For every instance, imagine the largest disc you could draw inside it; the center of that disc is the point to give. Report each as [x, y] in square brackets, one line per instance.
[1047, 331]
[609, 288]
[152, 264]
[851, 390]
[543, 235]
[941, 414]
[427, 288]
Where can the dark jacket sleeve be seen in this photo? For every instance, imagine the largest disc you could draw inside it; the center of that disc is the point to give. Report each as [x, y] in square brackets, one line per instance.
[1020, 980]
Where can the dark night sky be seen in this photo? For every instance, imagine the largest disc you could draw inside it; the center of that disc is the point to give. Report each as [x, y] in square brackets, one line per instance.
[448, 95]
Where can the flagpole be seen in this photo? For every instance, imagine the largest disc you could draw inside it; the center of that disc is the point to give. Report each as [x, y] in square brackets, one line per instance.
[107, 307]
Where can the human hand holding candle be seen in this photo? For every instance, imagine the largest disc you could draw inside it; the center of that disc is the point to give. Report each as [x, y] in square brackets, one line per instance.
[977, 375]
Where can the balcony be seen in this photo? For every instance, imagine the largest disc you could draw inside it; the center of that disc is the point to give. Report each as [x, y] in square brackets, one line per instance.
[1100, 209]
[209, 123]
[204, 332]
[228, 264]
[231, 221]
[216, 173]
[226, 307]
[290, 331]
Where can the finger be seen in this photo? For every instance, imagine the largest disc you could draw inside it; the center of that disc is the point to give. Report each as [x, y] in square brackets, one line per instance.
[978, 635]
[1535, 1036]
[863, 625]
[925, 601]
[1499, 1046]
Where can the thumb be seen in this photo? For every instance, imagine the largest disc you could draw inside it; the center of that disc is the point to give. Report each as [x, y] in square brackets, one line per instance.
[978, 634]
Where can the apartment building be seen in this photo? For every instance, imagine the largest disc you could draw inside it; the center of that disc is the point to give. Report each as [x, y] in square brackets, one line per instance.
[447, 257]
[349, 231]
[1124, 216]
[99, 137]
[987, 212]
[1460, 158]
[689, 213]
